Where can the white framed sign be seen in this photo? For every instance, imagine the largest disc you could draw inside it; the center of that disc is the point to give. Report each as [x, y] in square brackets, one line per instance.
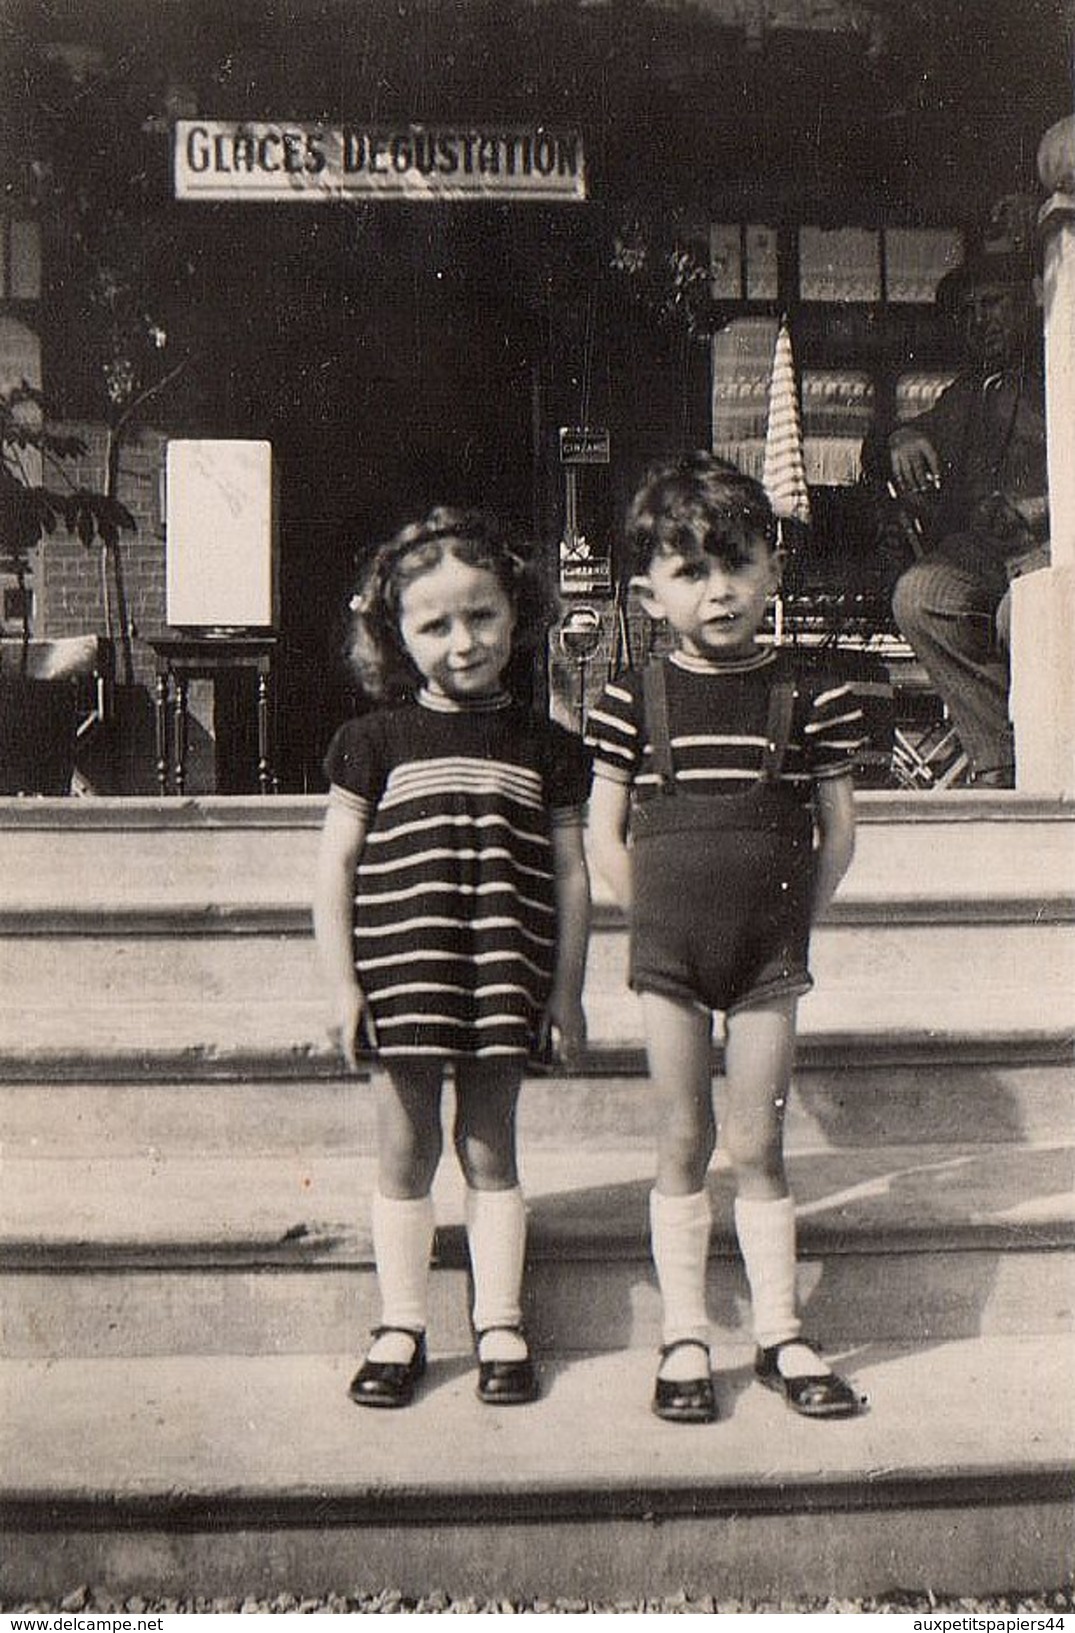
[221, 535]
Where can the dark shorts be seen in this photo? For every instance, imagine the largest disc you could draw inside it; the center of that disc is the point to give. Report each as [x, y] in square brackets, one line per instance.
[721, 916]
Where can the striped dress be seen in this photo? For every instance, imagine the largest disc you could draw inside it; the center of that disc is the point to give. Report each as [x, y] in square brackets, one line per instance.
[455, 912]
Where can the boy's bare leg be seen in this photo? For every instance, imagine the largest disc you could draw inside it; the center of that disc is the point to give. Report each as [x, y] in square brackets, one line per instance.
[759, 1052]
[759, 1056]
[678, 1040]
[678, 1046]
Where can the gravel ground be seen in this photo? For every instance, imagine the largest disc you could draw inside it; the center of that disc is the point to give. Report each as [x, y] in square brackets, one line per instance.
[389, 1602]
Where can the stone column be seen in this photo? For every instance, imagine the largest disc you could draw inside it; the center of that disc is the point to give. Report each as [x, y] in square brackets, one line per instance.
[1043, 603]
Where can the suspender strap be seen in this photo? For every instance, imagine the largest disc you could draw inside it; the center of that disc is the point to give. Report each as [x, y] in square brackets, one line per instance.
[655, 703]
[777, 729]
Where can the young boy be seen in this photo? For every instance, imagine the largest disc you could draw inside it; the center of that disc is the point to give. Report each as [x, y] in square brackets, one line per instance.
[733, 775]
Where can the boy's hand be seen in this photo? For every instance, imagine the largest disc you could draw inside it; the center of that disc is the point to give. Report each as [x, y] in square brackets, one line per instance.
[562, 1032]
[349, 1007]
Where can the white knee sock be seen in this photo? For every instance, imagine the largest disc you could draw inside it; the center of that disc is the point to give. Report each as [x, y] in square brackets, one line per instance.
[402, 1245]
[496, 1237]
[766, 1231]
[679, 1236]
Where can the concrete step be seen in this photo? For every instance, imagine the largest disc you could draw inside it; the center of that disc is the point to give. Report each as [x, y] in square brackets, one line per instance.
[180, 930]
[836, 1104]
[237, 1211]
[217, 1251]
[113, 854]
[194, 941]
[261, 998]
[234, 1475]
[894, 977]
[186, 1272]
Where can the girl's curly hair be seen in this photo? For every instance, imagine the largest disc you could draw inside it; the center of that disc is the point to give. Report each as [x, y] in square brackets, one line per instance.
[375, 648]
[697, 504]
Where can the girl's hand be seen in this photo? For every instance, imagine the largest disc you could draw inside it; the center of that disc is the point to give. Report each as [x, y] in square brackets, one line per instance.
[349, 1009]
[562, 1032]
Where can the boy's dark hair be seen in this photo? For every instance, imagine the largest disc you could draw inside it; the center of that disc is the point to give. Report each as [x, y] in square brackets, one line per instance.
[374, 647]
[697, 504]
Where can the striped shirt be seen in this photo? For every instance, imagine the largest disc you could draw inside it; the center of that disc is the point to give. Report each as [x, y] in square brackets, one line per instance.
[717, 719]
[455, 912]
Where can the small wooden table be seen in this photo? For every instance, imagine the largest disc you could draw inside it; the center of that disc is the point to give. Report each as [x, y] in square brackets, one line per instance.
[183, 656]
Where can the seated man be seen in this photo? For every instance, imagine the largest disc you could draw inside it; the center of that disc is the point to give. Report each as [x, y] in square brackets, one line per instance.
[973, 468]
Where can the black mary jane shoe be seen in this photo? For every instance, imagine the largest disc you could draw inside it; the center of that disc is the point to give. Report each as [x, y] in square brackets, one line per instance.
[506, 1383]
[389, 1383]
[812, 1394]
[685, 1400]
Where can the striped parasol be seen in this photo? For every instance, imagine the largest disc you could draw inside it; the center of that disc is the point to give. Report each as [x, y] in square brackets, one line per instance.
[784, 470]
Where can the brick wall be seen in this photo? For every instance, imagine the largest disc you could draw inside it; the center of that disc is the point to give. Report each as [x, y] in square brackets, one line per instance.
[69, 592]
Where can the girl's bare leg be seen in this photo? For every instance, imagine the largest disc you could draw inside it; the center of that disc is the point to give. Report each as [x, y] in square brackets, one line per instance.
[409, 1139]
[409, 1147]
[487, 1095]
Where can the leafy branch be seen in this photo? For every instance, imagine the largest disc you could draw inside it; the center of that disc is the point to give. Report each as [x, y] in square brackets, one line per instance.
[665, 270]
[30, 512]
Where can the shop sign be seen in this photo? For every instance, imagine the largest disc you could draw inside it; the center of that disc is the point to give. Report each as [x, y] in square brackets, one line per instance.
[584, 445]
[219, 159]
[582, 569]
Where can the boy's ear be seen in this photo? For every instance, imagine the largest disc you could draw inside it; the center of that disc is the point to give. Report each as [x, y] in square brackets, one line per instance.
[646, 596]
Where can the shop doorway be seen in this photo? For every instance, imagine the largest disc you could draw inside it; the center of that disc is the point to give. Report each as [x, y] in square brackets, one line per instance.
[385, 383]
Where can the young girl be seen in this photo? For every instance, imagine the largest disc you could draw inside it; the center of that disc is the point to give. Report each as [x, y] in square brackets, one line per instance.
[732, 774]
[451, 914]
